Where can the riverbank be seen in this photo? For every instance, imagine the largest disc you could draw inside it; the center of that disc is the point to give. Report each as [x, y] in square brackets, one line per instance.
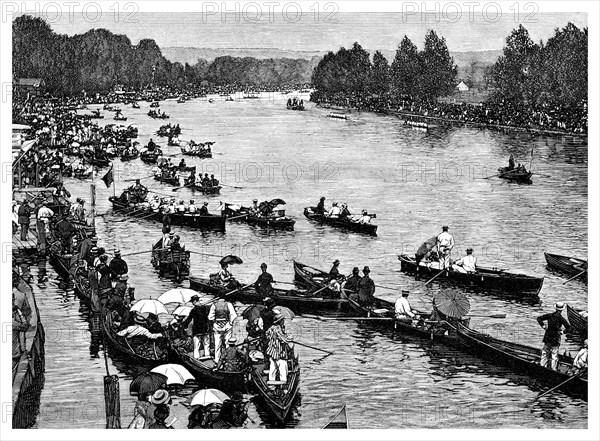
[28, 368]
[449, 122]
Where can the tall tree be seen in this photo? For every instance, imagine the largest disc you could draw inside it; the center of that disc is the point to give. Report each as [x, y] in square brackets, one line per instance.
[405, 69]
[439, 72]
[380, 74]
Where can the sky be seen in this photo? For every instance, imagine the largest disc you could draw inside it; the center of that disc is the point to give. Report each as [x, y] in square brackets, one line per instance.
[254, 28]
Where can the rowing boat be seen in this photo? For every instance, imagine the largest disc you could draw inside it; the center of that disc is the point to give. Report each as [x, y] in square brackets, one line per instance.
[171, 180]
[94, 160]
[497, 281]
[278, 397]
[197, 153]
[577, 321]
[339, 421]
[345, 223]
[523, 359]
[138, 349]
[568, 265]
[170, 263]
[298, 301]
[205, 372]
[192, 220]
[243, 214]
[205, 189]
[515, 175]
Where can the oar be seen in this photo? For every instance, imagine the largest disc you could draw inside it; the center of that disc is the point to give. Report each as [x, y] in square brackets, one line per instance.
[561, 384]
[312, 347]
[434, 277]
[227, 294]
[135, 179]
[574, 277]
[498, 316]
[237, 217]
[232, 186]
[205, 254]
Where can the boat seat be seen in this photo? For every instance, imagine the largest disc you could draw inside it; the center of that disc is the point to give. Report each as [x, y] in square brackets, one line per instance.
[276, 383]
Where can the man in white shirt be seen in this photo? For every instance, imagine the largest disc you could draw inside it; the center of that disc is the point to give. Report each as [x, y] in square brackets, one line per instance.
[403, 309]
[365, 218]
[170, 239]
[192, 207]
[222, 314]
[445, 243]
[335, 210]
[44, 215]
[467, 264]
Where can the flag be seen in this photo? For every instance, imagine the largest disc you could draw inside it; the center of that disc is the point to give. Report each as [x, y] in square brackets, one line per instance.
[108, 177]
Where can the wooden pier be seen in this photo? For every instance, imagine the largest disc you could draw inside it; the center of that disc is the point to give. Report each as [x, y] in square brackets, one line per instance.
[30, 245]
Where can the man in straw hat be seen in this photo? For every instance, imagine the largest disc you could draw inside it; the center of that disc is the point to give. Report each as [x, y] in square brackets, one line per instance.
[117, 265]
[232, 359]
[200, 327]
[445, 243]
[466, 264]
[279, 350]
[553, 326]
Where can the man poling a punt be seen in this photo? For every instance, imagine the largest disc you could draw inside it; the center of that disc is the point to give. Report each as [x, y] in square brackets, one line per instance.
[553, 326]
[445, 243]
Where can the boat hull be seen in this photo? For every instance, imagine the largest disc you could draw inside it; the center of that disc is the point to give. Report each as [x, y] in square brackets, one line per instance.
[369, 229]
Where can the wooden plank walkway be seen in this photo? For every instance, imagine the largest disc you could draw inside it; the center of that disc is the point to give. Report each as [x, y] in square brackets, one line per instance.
[31, 244]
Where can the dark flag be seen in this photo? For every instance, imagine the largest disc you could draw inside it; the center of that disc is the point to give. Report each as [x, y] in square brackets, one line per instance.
[108, 177]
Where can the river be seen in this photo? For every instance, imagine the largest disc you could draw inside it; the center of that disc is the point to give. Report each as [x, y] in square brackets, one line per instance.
[415, 181]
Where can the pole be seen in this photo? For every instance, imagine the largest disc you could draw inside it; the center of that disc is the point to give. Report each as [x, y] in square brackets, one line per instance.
[93, 203]
[113, 181]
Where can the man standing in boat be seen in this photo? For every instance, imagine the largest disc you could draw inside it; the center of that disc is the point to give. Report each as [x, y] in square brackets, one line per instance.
[334, 272]
[351, 286]
[200, 327]
[366, 289]
[445, 243]
[553, 326]
[321, 206]
[222, 314]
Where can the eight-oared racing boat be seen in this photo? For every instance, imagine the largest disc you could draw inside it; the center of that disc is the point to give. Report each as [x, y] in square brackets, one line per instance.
[192, 220]
[340, 222]
[497, 281]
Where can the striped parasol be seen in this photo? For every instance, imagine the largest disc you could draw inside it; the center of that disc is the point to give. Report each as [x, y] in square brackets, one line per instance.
[452, 304]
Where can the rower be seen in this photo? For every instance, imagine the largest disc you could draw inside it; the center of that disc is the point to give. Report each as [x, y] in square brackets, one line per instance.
[254, 209]
[345, 212]
[334, 272]
[445, 243]
[511, 162]
[192, 208]
[176, 246]
[204, 210]
[335, 210]
[321, 206]
[182, 164]
[467, 264]
[351, 285]
[403, 309]
[181, 207]
[263, 283]
[191, 180]
[580, 362]
[206, 182]
[169, 240]
[214, 181]
[365, 218]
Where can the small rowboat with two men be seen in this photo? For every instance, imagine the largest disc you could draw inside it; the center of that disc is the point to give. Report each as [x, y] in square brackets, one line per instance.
[521, 176]
[275, 219]
[345, 223]
[571, 266]
[492, 280]
[297, 300]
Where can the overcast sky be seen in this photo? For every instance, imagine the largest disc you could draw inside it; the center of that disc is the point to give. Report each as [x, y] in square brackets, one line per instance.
[371, 30]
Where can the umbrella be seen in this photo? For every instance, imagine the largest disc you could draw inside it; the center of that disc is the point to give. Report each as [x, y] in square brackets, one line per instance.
[148, 382]
[251, 313]
[230, 260]
[452, 304]
[204, 397]
[426, 247]
[275, 202]
[175, 373]
[149, 305]
[177, 295]
[182, 310]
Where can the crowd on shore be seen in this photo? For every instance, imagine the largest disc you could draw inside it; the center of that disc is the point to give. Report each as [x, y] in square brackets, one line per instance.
[555, 117]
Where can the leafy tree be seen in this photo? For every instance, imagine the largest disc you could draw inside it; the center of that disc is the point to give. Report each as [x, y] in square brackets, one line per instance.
[380, 74]
[405, 69]
[439, 72]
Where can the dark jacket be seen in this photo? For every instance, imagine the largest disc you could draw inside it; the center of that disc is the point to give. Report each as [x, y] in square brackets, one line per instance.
[366, 289]
[118, 266]
[263, 284]
[24, 214]
[555, 322]
[199, 315]
[352, 283]
[267, 315]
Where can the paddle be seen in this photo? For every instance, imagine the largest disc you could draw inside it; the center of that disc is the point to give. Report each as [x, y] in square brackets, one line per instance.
[561, 384]
[434, 277]
[574, 277]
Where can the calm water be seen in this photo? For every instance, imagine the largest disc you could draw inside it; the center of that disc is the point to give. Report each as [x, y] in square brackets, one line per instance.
[416, 182]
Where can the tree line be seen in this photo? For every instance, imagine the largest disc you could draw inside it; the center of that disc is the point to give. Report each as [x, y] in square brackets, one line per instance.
[98, 60]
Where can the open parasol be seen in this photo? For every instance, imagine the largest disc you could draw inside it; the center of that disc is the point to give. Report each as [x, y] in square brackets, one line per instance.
[231, 260]
[148, 382]
[177, 295]
[204, 397]
[251, 313]
[426, 247]
[175, 373]
[149, 305]
[182, 310]
[452, 304]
